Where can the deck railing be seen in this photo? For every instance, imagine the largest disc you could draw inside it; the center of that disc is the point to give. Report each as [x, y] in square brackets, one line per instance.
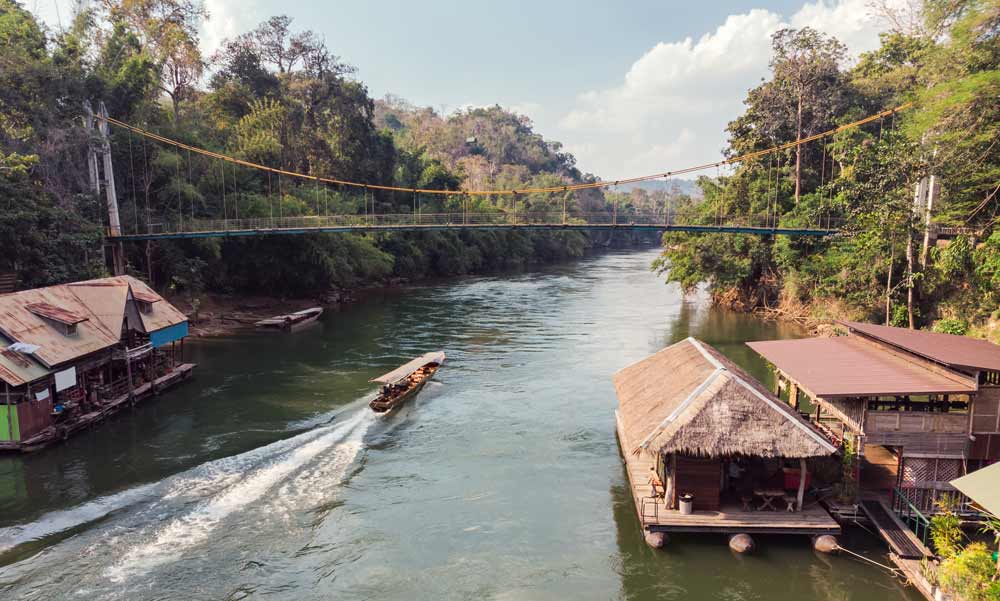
[910, 514]
[497, 218]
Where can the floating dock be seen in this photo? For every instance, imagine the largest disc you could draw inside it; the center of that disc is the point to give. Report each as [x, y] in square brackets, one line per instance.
[730, 519]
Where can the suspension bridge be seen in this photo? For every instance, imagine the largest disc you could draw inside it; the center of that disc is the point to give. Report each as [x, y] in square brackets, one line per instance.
[498, 214]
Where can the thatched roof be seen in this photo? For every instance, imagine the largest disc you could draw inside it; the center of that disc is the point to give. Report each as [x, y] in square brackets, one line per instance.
[688, 398]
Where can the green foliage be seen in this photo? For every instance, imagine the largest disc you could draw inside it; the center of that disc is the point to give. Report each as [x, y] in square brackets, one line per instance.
[946, 533]
[971, 574]
[279, 97]
[951, 326]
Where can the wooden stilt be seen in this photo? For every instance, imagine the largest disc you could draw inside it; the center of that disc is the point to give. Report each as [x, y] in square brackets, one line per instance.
[802, 483]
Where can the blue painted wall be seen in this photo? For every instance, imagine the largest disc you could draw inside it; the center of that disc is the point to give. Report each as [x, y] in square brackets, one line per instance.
[168, 334]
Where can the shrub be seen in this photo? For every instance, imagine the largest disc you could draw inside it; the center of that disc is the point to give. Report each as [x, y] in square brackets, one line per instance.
[970, 573]
[951, 326]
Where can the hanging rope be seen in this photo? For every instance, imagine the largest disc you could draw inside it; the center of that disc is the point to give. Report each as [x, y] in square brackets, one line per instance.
[895, 571]
[190, 185]
[131, 178]
[147, 181]
[584, 186]
[236, 192]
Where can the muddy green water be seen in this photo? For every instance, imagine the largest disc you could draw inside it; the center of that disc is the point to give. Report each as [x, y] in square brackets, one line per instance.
[267, 477]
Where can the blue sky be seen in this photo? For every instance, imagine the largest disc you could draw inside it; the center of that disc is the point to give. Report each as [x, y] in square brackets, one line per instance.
[629, 87]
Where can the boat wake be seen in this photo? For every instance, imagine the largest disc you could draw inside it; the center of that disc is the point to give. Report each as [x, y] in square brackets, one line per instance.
[155, 524]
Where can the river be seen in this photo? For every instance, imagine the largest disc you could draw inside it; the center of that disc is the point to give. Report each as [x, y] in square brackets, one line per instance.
[267, 476]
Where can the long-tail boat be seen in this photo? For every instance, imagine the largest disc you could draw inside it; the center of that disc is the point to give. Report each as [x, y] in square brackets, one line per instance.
[292, 321]
[405, 381]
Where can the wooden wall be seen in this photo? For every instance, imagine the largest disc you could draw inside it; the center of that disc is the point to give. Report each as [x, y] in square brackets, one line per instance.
[701, 478]
[34, 416]
[986, 424]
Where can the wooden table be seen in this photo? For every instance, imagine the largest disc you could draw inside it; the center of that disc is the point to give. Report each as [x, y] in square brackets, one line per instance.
[768, 496]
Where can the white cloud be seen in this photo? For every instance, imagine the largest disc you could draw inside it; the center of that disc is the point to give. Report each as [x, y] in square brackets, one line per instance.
[674, 102]
[226, 19]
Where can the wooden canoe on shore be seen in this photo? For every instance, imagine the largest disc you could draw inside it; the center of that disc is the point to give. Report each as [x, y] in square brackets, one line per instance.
[292, 321]
[405, 381]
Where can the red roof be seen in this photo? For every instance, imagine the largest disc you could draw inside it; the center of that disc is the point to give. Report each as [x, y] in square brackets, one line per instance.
[847, 366]
[949, 349]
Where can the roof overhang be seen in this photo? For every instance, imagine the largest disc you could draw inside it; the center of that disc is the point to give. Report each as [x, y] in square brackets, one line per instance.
[844, 367]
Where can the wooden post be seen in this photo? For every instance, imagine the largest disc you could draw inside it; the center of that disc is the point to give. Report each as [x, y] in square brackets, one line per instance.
[10, 418]
[672, 498]
[793, 396]
[128, 368]
[802, 482]
[777, 384]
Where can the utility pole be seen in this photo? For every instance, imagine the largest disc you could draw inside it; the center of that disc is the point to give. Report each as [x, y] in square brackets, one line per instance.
[114, 221]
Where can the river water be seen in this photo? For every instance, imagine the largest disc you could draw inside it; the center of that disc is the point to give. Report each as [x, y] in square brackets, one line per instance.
[267, 476]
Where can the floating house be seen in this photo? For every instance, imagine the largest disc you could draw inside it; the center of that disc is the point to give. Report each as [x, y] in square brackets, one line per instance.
[709, 449]
[919, 408]
[72, 354]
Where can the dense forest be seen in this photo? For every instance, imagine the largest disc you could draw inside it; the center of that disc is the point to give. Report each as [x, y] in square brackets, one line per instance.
[276, 96]
[890, 186]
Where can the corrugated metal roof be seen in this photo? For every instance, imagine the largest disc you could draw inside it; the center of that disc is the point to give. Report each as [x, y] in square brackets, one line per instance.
[162, 315]
[956, 351]
[17, 368]
[60, 314]
[846, 366]
[410, 366]
[983, 487]
[101, 301]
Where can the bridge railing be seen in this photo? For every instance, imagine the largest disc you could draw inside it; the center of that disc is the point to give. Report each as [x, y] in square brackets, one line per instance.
[508, 218]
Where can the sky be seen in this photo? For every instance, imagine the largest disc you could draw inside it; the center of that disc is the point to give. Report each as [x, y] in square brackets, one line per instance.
[629, 87]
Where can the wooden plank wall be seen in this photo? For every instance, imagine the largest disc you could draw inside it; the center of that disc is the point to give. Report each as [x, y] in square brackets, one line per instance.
[34, 416]
[702, 478]
[986, 424]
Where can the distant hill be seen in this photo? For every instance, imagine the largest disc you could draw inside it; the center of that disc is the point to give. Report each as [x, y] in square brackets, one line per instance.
[687, 186]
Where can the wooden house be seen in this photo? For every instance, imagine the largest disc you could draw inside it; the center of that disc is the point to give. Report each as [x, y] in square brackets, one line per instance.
[920, 408]
[707, 429]
[71, 354]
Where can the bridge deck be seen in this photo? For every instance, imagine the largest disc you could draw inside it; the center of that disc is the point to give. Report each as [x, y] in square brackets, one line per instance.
[439, 222]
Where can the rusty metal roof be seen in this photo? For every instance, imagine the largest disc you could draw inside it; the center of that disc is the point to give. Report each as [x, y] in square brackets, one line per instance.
[17, 368]
[847, 366]
[145, 297]
[102, 302]
[60, 314]
[949, 349]
[162, 315]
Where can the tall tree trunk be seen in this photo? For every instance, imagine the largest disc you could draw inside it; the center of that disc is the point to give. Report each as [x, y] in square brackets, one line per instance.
[909, 276]
[888, 287]
[798, 151]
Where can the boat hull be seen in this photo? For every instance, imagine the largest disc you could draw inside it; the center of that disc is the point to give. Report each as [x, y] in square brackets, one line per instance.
[384, 404]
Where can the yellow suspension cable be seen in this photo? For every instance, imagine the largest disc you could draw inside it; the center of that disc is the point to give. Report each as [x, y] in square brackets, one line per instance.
[569, 187]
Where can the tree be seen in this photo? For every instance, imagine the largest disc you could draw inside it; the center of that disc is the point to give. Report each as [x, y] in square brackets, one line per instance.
[806, 67]
[168, 32]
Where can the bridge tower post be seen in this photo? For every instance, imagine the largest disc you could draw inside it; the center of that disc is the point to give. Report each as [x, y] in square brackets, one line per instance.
[111, 196]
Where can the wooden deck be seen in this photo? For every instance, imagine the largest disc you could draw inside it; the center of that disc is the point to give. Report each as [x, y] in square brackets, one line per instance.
[655, 517]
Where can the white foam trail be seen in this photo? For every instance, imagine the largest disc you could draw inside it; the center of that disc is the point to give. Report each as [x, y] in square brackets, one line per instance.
[195, 527]
[196, 482]
[57, 521]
